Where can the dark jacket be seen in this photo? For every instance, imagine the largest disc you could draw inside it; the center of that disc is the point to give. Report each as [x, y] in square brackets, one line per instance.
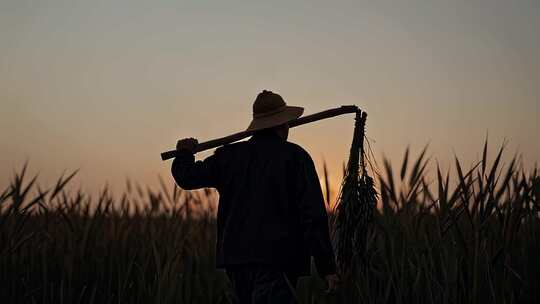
[271, 209]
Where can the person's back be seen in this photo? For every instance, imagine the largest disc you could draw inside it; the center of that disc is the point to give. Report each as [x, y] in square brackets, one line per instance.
[271, 213]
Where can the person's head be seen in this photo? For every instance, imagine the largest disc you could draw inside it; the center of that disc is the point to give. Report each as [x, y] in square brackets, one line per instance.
[272, 114]
[282, 131]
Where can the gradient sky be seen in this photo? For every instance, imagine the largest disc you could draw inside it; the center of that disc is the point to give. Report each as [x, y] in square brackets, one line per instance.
[105, 86]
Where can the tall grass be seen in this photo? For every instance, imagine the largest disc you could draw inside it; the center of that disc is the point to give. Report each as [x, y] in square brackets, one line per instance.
[475, 242]
[468, 236]
[60, 248]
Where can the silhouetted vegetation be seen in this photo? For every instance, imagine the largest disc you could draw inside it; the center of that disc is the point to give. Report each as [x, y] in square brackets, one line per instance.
[467, 237]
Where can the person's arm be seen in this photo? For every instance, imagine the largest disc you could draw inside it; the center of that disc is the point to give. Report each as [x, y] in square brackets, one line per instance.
[190, 174]
[314, 219]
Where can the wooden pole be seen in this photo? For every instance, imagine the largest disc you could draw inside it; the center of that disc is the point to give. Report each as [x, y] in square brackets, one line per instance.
[214, 143]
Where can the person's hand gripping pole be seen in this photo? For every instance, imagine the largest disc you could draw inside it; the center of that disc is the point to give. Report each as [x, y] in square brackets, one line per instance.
[188, 144]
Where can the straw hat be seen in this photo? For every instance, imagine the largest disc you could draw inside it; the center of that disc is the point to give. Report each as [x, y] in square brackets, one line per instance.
[270, 110]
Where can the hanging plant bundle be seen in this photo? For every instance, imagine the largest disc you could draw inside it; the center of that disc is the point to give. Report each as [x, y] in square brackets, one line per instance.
[356, 202]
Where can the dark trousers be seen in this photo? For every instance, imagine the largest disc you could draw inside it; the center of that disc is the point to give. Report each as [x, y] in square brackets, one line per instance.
[260, 284]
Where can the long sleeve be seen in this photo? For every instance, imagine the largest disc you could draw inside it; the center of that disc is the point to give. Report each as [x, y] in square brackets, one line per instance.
[190, 174]
[314, 220]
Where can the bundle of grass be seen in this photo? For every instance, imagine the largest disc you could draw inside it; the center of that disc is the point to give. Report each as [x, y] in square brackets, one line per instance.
[354, 209]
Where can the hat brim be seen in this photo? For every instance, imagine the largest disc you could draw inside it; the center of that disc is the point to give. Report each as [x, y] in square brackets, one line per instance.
[288, 114]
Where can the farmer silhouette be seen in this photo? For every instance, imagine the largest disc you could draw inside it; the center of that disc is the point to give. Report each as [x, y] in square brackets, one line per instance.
[271, 215]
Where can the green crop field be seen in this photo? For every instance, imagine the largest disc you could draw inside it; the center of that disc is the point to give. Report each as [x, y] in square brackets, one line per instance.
[467, 236]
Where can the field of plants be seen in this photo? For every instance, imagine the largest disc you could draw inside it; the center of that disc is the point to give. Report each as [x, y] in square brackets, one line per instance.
[471, 235]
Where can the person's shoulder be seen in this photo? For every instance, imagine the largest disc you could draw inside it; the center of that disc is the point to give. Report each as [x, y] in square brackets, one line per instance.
[298, 150]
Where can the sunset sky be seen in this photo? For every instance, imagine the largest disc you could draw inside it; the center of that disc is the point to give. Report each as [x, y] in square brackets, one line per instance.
[105, 86]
